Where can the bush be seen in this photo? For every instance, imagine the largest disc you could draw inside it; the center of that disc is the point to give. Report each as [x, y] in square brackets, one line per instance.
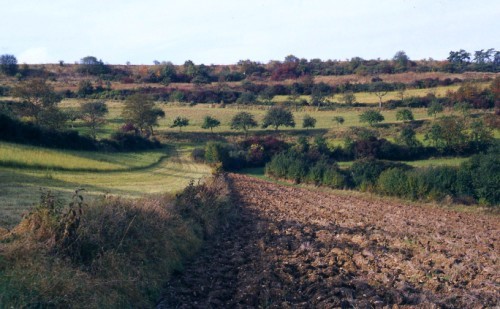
[215, 152]
[480, 177]
[333, 178]
[393, 182]
[365, 173]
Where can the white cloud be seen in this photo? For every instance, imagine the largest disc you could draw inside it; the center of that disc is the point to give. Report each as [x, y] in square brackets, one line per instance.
[34, 55]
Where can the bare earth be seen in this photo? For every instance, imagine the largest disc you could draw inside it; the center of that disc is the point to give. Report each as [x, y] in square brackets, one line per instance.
[298, 248]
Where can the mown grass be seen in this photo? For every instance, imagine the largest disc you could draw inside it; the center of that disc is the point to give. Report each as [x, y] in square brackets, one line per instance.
[22, 156]
[133, 175]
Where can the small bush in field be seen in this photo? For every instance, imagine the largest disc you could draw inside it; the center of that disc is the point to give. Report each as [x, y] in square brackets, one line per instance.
[393, 182]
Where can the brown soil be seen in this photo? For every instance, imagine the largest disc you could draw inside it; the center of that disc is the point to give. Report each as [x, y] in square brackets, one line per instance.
[299, 248]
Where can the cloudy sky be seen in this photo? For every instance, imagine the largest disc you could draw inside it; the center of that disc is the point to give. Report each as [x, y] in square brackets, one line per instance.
[225, 31]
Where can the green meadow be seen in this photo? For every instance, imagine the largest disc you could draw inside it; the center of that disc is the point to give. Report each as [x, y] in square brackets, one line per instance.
[25, 170]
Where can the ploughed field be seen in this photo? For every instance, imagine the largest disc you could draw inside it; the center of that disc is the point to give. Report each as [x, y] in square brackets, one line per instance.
[299, 248]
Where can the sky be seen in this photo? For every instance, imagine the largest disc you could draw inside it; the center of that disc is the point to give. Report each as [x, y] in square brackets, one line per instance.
[226, 31]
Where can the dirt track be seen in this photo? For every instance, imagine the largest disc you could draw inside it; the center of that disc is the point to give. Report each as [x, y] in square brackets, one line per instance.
[301, 248]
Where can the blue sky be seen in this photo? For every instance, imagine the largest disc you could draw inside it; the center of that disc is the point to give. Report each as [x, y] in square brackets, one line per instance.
[225, 31]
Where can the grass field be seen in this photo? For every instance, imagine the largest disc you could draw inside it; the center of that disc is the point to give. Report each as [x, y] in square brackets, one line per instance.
[370, 98]
[124, 174]
[196, 114]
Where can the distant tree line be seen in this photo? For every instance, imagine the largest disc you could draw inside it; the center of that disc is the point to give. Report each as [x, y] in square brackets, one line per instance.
[291, 67]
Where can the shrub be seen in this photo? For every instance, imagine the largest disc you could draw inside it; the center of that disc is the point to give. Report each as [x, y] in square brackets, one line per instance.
[393, 182]
[366, 172]
[198, 154]
[480, 177]
[215, 152]
[333, 178]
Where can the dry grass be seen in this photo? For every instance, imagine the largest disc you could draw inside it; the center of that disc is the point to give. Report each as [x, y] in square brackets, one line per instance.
[116, 253]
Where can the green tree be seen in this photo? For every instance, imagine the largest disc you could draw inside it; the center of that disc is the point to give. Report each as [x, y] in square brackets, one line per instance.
[36, 96]
[85, 88]
[401, 90]
[140, 110]
[463, 108]
[434, 109]
[408, 137]
[8, 64]
[348, 98]
[243, 121]
[180, 122]
[267, 94]
[90, 65]
[379, 89]
[339, 120]
[93, 114]
[52, 118]
[401, 61]
[308, 122]
[210, 123]
[277, 117]
[404, 115]
[449, 133]
[481, 135]
[372, 117]
[319, 94]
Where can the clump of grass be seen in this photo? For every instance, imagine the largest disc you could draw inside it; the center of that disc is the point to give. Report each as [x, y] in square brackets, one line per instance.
[110, 253]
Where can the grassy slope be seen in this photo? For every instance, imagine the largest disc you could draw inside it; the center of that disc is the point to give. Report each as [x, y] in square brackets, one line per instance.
[123, 174]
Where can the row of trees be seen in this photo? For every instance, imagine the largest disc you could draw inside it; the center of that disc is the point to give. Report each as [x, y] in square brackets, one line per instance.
[291, 67]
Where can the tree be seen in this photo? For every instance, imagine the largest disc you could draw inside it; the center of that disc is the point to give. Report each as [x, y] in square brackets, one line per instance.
[180, 122]
[92, 113]
[267, 94]
[308, 122]
[404, 114]
[52, 118]
[140, 111]
[434, 109]
[401, 60]
[339, 120]
[278, 116]
[319, 94]
[372, 117]
[401, 89]
[36, 96]
[243, 121]
[408, 137]
[8, 64]
[379, 90]
[348, 98]
[85, 88]
[210, 123]
[481, 135]
[463, 108]
[90, 65]
[448, 133]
